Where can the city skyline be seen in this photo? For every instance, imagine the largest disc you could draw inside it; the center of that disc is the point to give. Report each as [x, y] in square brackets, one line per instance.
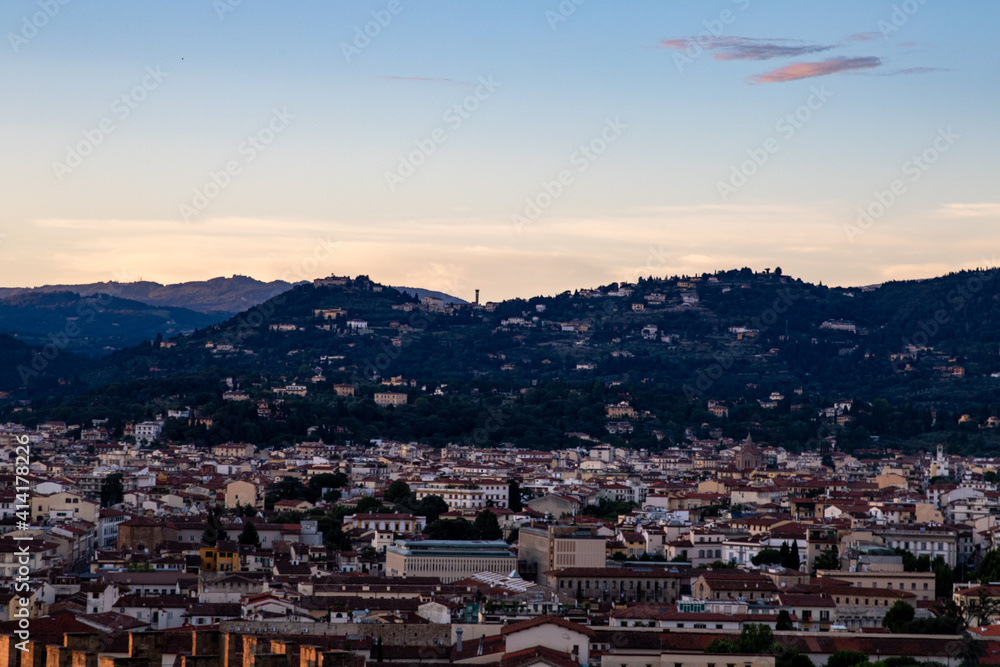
[517, 150]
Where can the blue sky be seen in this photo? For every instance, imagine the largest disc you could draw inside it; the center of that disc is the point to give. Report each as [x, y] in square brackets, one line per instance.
[521, 149]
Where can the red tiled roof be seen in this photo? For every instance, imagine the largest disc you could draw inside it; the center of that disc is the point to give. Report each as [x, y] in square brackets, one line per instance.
[547, 619]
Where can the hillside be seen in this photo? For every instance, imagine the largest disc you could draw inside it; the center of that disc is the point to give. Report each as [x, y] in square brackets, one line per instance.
[223, 295]
[92, 325]
[771, 349]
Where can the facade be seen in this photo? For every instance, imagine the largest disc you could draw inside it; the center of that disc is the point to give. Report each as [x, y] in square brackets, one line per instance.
[554, 547]
[146, 432]
[449, 560]
[223, 557]
[920, 584]
[140, 533]
[236, 450]
[63, 506]
[395, 523]
[618, 584]
[390, 398]
[242, 493]
[954, 545]
[467, 495]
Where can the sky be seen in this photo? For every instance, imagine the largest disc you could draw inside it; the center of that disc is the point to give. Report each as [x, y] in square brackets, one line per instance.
[520, 148]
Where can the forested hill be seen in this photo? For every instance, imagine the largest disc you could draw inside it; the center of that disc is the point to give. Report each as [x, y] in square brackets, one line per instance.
[763, 344]
[225, 295]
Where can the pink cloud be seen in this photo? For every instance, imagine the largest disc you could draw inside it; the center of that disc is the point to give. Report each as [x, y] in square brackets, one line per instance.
[807, 70]
[745, 48]
[864, 36]
[917, 70]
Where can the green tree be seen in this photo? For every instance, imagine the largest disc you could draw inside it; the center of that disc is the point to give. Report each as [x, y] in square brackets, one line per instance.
[324, 480]
[756, 638]
[287, 488]
[769, 556]
[396, 492]
[790, 657]
[431, 507]
[213, 530]
[784, 621]
[722, 645]
[898, 616]
[246, 511]
[912, 563]
[450, 529]
[792, 561]
[989, 568]
[369, 505]
[982, 607]
[845, 658]
[112, 490]
[944, 578]
[249, 535]
[514, 496]
[828, 560]
[487, 526]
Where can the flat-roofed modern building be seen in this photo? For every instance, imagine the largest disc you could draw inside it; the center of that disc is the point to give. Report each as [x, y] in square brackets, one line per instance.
[546, 548]
[449, 560]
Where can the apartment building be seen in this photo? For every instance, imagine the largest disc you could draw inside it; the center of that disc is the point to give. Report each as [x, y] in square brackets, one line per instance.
[463, 494]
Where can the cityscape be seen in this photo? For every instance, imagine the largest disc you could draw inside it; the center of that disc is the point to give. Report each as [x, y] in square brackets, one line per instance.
[557, 334]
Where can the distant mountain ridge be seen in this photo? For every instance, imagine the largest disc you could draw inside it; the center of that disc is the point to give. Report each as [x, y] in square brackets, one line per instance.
[420, 293]
[216, 296]
[95, 324]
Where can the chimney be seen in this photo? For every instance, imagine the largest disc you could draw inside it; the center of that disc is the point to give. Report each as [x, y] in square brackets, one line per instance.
[477, 296]
[459, 631]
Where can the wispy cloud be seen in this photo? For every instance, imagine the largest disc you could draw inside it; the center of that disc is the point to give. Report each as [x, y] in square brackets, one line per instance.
[914, 70]
[864, 36]
[746, 48]
[978, 210]
[823, 68]
[426, 79]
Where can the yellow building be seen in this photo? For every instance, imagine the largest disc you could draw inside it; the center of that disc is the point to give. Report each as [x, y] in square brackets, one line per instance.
[223, 557]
